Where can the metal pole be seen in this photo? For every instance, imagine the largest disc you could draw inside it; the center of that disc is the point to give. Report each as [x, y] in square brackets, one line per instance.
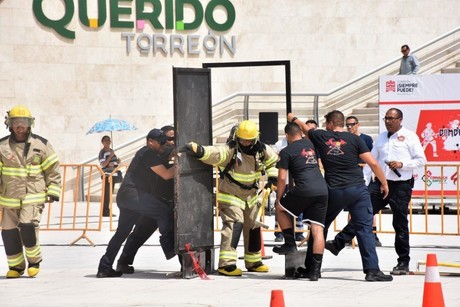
[246, 107]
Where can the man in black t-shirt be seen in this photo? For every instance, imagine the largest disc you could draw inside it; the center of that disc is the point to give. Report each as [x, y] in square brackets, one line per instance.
[308, 196]
[340, 152]
[145, 225]
[135, 198]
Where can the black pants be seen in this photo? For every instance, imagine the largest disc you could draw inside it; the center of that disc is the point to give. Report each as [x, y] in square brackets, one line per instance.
[107, 196]
[145, 227]
[126, 221]
[153, 207]
[357, 200]
[398, 199]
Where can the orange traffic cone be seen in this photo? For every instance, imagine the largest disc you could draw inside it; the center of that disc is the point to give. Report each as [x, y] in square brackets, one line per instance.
[432, 292]
[262, 246]
[277, 299]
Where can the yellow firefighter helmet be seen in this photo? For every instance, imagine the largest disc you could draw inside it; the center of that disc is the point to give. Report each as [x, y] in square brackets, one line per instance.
[19, 111]
[247, 130]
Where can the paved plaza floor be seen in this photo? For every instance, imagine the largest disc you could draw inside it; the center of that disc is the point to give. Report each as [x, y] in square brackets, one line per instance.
[68, 278]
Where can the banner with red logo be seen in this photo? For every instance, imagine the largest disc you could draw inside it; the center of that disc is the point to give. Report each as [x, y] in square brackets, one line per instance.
[431, 108]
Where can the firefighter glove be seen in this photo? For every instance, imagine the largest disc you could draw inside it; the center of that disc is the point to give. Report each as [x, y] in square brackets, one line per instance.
[271, 184]
[195, 149]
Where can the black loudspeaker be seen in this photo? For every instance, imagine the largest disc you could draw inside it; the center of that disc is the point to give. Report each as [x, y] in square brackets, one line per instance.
[268, 125]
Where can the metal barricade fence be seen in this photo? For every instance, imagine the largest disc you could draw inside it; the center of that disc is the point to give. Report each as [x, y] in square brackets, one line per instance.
[77, 210]
[433, 211]
[81, 204]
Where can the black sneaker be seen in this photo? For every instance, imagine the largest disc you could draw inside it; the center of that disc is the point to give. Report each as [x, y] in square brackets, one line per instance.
[330, 246]
[125, 268]
[379, 276]
[377, 242]
[402, 268]
[108, 273]
[285, 249]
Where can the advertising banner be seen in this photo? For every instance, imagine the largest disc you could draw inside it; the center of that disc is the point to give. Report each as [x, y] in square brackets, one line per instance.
[431, 108]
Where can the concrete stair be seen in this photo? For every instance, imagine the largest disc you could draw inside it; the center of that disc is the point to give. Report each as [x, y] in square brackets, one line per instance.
[368, 118]
[452, 70]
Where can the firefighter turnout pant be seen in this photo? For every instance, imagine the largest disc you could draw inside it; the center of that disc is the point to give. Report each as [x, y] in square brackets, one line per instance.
[20, 228]
[235, 221]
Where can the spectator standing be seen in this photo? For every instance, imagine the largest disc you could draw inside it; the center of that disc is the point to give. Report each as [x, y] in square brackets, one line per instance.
[409, 62]
[108, 161]
[398, 152]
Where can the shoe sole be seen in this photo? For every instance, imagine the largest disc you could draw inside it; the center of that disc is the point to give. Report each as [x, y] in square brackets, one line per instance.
[225, 273]
[378, 280]
[399, 272]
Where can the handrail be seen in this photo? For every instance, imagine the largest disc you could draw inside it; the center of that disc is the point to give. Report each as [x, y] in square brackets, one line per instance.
[393, 61]
[343, 85]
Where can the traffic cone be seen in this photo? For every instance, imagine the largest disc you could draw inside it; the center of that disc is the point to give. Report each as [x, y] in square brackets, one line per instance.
[277, 299]
[262, 246]
[432, 292]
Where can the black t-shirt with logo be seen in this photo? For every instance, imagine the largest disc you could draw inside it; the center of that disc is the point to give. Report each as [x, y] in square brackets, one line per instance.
[300, 159]
[339, 153]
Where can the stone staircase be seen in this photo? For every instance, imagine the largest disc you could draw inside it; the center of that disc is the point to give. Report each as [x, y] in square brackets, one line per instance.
[452, 70]
[368, 119]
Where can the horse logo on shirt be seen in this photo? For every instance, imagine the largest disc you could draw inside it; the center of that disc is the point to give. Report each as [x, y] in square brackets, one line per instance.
[335, 147]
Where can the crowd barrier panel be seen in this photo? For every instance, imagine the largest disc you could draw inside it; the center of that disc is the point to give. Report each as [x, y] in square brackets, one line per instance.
[435, 212]
[81, 204]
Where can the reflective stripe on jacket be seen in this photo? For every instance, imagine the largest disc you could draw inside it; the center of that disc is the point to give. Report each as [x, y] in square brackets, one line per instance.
[29, 172]
[247, 170]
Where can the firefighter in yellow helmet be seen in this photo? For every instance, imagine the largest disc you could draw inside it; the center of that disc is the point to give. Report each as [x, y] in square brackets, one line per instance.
[242, 162]
[29, 173]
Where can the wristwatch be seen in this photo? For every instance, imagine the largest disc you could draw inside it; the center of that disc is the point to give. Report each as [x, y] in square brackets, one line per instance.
[293, 119]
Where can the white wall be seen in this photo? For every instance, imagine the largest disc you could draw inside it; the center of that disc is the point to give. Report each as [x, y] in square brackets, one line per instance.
[71, 84]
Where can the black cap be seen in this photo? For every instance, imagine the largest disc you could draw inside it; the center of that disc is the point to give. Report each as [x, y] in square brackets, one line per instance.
[157, 134]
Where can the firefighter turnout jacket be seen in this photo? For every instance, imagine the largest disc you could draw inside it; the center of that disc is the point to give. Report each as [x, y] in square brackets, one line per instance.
[29, 172]
[245, 169]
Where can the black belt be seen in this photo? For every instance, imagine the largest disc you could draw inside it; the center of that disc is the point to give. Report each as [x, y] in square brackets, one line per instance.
[395, 181]
[399, 181]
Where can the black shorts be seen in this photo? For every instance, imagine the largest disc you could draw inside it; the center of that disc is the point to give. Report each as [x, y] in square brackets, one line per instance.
[313, 207]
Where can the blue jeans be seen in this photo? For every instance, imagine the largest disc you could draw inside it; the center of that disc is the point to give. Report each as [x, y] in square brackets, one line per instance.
[398, 199]
[357, 200]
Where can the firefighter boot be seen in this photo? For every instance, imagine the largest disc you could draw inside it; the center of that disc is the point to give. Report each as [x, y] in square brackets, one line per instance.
[33, 269]
[230, 270]
[14, 273]
[259, 267]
